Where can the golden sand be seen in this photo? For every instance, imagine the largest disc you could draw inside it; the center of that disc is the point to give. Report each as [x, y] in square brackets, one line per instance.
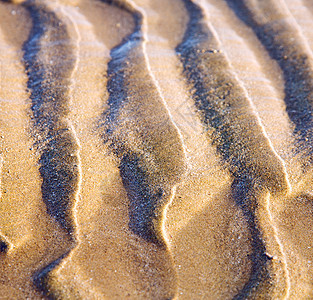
[156, 149]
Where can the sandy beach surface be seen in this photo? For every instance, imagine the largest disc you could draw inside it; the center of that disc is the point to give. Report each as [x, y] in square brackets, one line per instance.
[156, 149]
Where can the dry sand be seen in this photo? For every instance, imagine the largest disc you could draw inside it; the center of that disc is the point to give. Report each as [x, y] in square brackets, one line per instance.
[156, 149]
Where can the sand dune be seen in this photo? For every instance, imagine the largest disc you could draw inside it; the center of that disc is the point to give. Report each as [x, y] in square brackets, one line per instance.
[156, 149]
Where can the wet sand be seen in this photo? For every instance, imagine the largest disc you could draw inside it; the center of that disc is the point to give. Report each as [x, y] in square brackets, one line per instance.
[156, 149]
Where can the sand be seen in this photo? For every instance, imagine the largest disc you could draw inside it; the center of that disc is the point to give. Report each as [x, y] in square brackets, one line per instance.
[156, 149]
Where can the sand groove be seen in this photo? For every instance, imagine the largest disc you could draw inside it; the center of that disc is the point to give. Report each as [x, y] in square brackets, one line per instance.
[49, 81]
[156, 150]
[151, 165]
[36, 239]
[274, 28]
[262, 81]
[49, 78]
[131, 158]
[220, 98]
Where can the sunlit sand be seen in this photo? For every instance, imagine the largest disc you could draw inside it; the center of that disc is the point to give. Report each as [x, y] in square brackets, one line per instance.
[156, 149]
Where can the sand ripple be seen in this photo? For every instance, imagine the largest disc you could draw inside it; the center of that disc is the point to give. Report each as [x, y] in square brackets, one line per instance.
[156, 149]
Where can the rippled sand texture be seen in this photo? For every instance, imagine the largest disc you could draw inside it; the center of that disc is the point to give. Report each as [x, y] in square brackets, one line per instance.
[156, 149]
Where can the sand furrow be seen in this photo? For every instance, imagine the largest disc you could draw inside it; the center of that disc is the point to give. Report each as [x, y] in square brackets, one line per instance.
[169, 116]
[274, 28]
[219, 114]
[36, 238]
[149, 155]
[298, 282]
[202, 196]
[46, 278]
[152, 161]
[259, 74]
[223, 101]
[49, 82]
[69, 275]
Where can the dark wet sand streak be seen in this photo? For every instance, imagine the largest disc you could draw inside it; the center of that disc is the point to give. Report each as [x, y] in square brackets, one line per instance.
[237, 134]
[48, 81]
[35, 238]
[152, 160]
[274, 28]
[259, 74]
[149, 180]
